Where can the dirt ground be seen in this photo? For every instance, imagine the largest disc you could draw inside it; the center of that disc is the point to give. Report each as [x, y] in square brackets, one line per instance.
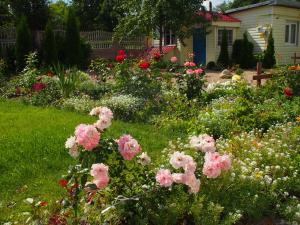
[214, 76]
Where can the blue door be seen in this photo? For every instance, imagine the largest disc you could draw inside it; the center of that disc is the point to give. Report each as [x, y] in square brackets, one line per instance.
[199, 46]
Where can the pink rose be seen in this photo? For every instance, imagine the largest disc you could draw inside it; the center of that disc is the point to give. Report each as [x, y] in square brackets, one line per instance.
[192, 64]
[102, 112]
[164, 178]
[186, 64]
[179, 160]
[128, 147]
[101, 182]
[103, 123]
[211, 169]
[189, 71]
[225, 162]
[99, 170]
[87, 136]
[178, 178]
[174, 59]
[203, 143]
[190, 180]
[198, 71]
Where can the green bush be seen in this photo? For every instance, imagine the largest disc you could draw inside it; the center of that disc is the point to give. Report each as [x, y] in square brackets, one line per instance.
[269, 60]
[72, 40]
[237, 52]
[223, 59]
[94, 89]
[242, 53]
[85, 53]
[49, 46]
[3, 69]
[23, 42]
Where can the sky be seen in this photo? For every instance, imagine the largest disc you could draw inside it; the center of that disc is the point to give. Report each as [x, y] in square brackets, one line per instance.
[215, 2]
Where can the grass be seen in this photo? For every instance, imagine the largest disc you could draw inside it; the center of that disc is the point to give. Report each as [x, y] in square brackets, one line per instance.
[32, 153]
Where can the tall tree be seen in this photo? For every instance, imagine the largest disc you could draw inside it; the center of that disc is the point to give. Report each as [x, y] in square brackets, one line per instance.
[23, 42]
[269, 59]
[72, 41]
[36, 11]
[97, 14]
[148, 16]
[58, 12]
[223, 59]
[49, 46]
[5, 15]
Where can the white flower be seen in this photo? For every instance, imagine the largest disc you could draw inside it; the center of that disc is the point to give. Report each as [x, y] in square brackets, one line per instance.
[29, 200]
[74, 152]
[71, 142]
[144, 159]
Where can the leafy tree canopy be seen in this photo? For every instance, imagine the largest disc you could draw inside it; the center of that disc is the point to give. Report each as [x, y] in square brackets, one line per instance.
[97, 14]
[148, 16]
[58, 12]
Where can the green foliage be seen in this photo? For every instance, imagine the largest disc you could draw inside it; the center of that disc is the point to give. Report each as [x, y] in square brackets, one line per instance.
[58, 11]
[242, 53]
[85, 53]
[72, 41]
[97, 14]
[144, 17]
[223, 59]
[36, 11]
[23, 42]
[269, 60]
[3, 69]
[94, 89]
[102, 68]
[30, 72]
[68, 79]
[49, 46]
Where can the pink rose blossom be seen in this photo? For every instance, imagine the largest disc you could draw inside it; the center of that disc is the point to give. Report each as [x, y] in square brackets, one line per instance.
[211, 169]
[100, 174]
[198, 71]
[190, 167]
[179, 160]
[101, 182]
[164, 178]
[189, 71]
[103, 123]
[174, 59]
[178, 178]
[186, 64]
[128, 147]
[225, 162]
[190, 180]
[73, 152]
[203, 143]
[192, 64]
[102, 112]
[87, 136]
[99, 170]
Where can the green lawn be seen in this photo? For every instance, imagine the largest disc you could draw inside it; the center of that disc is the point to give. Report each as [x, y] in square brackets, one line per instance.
[32, 154]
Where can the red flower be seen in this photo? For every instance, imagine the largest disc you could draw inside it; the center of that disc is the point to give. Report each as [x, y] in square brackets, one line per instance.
[288, 92]
[38, 87]
[63, 183]
[57, 220]
[42, 204]
[121, 52]
[144, 65]
[120, 58]
[156, 56]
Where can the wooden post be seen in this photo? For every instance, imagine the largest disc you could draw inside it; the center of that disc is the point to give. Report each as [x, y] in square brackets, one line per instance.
[258, 71]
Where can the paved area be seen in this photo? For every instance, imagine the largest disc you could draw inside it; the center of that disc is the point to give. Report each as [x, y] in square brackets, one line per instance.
[214, 76]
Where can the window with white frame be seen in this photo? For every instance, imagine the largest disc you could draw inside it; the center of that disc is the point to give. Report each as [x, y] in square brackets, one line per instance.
[291, 33]
[229, 36]
[169, 38]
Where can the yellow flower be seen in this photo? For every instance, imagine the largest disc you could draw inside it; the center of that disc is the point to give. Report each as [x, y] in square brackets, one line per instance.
[236, 78]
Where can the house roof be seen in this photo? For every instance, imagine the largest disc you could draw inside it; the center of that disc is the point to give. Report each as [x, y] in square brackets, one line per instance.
[285, 3]
[217, 16]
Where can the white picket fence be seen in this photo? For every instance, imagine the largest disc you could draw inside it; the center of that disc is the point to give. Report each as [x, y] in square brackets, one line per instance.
[97, 39]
